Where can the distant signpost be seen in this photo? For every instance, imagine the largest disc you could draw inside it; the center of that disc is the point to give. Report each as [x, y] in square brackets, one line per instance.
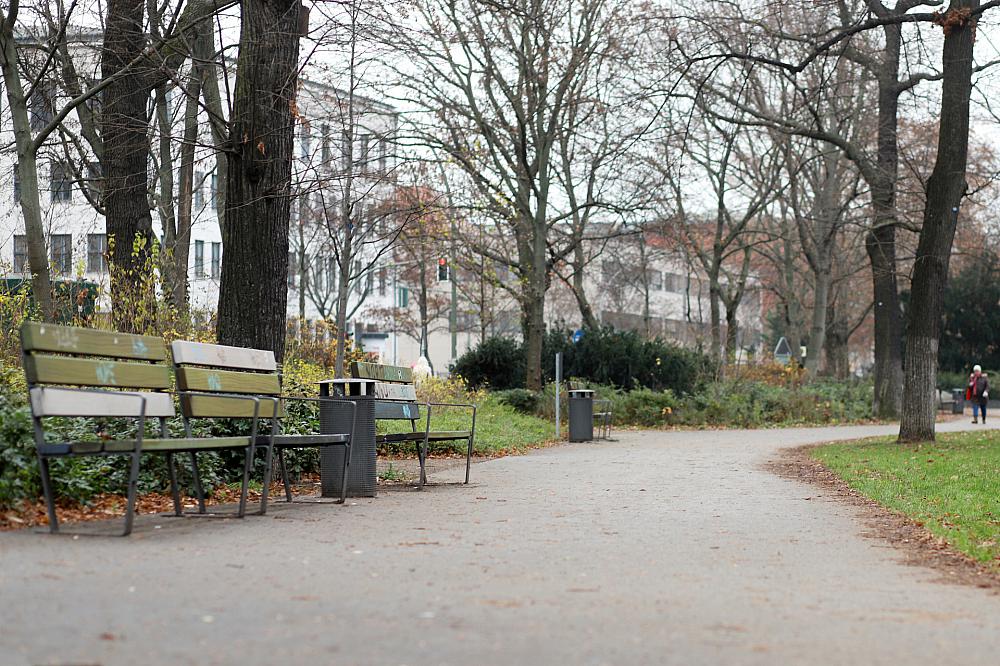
[577, 335]
[783, 351]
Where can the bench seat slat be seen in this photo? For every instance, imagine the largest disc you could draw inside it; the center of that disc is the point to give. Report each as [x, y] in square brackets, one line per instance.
[213, 406]
[45, 369]
[434, 436]
[226, 381]
[221, 356]
[303, 440]
[87, 341]
[50, 401]
[152, 445]
[180, 444]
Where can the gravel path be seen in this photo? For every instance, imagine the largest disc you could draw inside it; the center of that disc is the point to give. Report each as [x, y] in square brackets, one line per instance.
[661, 548]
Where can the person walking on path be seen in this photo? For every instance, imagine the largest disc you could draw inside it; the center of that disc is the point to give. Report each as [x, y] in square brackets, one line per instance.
[978, 392]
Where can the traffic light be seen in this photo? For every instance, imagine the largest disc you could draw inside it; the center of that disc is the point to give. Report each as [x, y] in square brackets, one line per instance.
[442, 269]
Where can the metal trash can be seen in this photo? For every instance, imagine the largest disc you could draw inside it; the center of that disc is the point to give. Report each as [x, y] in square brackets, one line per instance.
[336, 417]
[958, 401]
[581, 415]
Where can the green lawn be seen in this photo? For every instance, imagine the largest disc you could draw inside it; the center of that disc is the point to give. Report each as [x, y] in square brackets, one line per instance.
[500, 429]
[951, 486]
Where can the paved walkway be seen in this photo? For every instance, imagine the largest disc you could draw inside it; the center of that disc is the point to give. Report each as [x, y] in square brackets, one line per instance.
[658, 549]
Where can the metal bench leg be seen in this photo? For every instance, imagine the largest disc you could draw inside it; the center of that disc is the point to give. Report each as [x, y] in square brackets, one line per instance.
[284, 475]
[133, 483]
[172, 470]
[50, 503]
[198, 489]
[347, 465]
[422, 456]
[468, 460]
[268, 462]
[247, 464]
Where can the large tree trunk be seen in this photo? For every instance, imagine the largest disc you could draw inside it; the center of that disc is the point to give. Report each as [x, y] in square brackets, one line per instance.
[254, 292]
[817, 331]
[880, 241]
[533, 326]
[881, 247]
[945, 189]
[838, 363]
[124, 123]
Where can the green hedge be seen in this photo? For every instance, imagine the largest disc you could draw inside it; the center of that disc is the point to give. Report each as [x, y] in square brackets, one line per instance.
[605, 356]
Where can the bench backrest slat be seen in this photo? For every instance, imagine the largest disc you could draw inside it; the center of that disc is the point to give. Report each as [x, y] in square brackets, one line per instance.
[57, 357]
[221, 356]
[37, 337]
[393, 391]
[386, 409]
[227, 381]
[49, 401]
[213, 369]
[217, 406]
[379, 372]
[47, 369]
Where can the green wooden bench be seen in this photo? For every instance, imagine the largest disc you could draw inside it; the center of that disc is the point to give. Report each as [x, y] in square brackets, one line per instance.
[396, 400]
[76, 372]
[206, 371]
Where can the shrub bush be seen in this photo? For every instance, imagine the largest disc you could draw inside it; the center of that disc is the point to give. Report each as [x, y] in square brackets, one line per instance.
[522, 400]
[497, 363]
[622, 359]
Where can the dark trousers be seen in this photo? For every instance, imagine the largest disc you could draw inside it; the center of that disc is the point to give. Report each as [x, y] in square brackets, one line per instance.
[978, 405]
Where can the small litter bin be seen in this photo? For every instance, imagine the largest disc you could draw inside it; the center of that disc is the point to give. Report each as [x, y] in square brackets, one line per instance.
[334, 418]
[957, 401]
[581, 415]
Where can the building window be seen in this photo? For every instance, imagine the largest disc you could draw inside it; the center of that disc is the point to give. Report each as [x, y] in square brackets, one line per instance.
[199, 258]
[61, 253]
[216, 260]
[361, 159]
[20, 254]
[293, 270]
[306, 143]
[42, 105]
[97, 251]
[327, 155]
[214, 190]
[382, 279]
[674, 283]
[655, 279]
[95, 180]
[383, 156]
[199, 195]
[60, 183]
[331, 275]
[17, 184]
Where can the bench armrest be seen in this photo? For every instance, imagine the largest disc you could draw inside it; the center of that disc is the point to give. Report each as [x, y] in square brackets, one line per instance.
[353, 405]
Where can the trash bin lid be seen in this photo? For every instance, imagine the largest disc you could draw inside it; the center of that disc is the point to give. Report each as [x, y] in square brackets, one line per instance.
[582, 393]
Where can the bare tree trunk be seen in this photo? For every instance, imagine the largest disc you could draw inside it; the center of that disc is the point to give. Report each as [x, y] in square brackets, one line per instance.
[254, 292]
[31, 210]
[174, 280]
[578, 288]
[945, 189]
[180, 249]
[817, 332]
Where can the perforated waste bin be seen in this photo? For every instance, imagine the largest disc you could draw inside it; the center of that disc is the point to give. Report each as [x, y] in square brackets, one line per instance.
[957, 401]
[335, 417]
[581, 415]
